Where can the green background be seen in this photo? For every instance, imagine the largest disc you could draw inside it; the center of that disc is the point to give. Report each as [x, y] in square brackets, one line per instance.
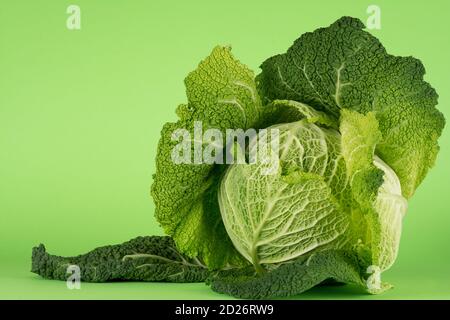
[81, 112]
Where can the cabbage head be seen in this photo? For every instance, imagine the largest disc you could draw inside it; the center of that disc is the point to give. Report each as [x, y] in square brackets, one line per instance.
[330, 192]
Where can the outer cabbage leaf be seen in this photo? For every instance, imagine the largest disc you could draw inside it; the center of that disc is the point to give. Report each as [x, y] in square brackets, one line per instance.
[378, 206]
[360, 135]
[343, 66]
[386, 219]
[222, 94]
[291, 278]
[150, 258]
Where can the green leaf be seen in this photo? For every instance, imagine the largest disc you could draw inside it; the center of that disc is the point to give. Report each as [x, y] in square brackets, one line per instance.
[344, 67]
[375, 189]
[141, 259]
[302, 110]
[290, 278]
[222, 94]
[360, 136]
[385, 220]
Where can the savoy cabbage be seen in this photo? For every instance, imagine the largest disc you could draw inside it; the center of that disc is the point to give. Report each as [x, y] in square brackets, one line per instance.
[358, 131]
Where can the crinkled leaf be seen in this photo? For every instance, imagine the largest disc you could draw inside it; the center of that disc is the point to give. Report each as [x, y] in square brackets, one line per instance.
[385, 220]
[294, 110]
[222, 94]
[291, 278]
[375, 188]
[360, 136]
[342, 66]
[141, 259]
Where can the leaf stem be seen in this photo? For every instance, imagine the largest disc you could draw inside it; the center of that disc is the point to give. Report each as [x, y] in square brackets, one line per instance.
[255, 261]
